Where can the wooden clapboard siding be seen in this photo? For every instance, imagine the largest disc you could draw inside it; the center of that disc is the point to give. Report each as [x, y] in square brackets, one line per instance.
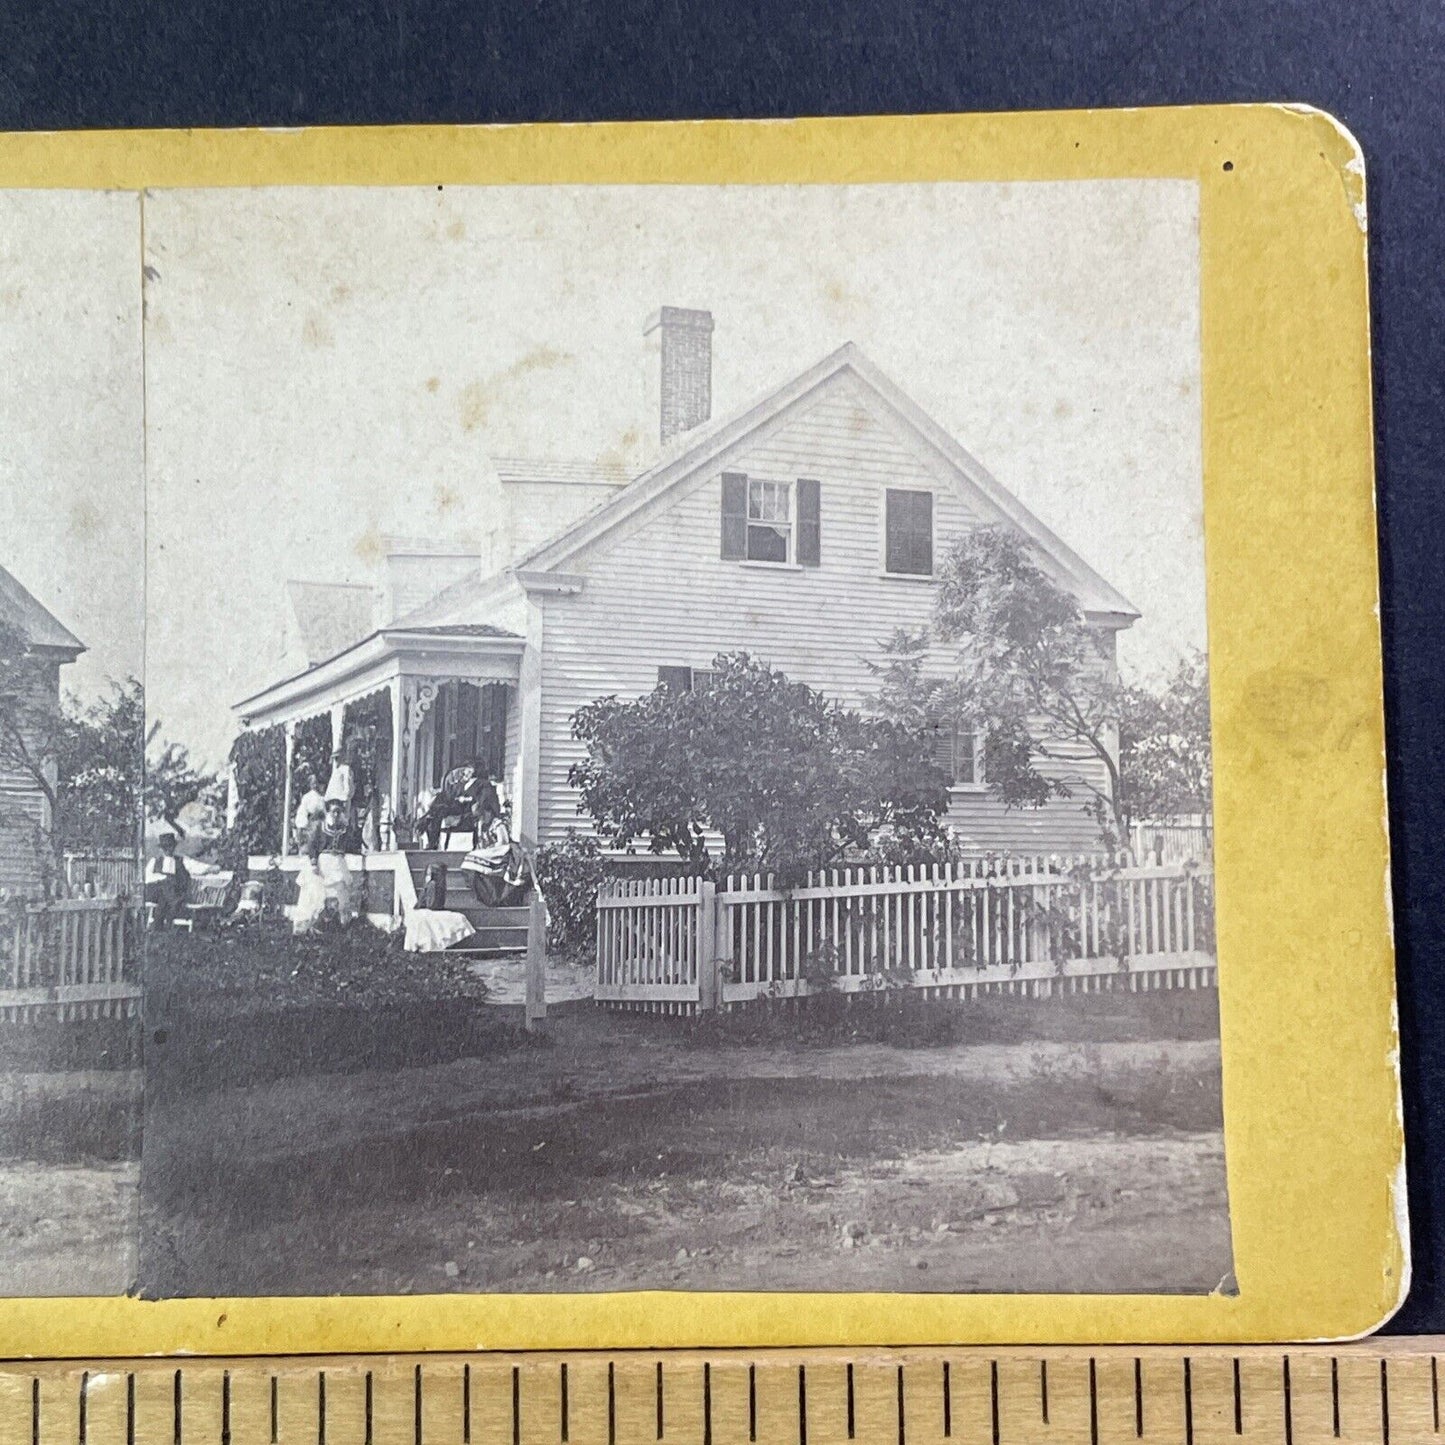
[657, 592]
[22, 819]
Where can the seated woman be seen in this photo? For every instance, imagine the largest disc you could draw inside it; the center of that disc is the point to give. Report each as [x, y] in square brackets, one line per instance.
[325, 875]
[494, 865]
[431, 926]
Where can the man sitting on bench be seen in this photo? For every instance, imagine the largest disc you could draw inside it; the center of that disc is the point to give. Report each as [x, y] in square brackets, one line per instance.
[167, 882]
[462, 789]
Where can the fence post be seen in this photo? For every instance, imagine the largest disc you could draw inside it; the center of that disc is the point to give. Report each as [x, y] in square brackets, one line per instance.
[536, 1010]
[709, 957]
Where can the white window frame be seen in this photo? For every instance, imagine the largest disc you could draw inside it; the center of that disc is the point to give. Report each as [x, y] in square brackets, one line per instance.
[978, 782]
[791, 525]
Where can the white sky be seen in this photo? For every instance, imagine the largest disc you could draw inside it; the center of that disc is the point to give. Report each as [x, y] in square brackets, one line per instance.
[72, 491]
[326, 365]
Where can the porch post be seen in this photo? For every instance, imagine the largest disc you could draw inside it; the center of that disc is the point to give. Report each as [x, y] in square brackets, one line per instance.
[338, 724]
[527, 807]
[290, 730]
[398, 726]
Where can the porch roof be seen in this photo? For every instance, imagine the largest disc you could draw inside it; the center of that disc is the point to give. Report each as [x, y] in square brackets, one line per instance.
[476, 651]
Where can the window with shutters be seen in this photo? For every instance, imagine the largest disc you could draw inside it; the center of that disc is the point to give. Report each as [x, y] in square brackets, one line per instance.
[908, 533]
[958, 752]
[765, 520]
[770, 521]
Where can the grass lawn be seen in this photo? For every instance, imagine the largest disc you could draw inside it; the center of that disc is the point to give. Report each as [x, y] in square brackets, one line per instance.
[340, 1117]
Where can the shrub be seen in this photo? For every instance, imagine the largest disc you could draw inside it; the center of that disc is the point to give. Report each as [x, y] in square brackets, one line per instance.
[570, 873]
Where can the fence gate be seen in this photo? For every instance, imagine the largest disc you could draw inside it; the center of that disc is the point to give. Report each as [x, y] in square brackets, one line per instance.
[655, 944]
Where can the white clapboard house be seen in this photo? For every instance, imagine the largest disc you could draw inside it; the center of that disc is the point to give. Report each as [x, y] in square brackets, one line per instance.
[25, 812]
[803, 528]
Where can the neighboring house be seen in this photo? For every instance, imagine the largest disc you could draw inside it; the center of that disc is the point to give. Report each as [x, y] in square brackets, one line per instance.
[803, 529]
[25, 814]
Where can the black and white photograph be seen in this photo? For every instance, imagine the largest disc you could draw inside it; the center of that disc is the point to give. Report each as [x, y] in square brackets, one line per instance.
[600, 738]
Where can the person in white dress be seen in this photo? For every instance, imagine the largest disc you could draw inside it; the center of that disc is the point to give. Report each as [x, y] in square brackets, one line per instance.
[325, 877]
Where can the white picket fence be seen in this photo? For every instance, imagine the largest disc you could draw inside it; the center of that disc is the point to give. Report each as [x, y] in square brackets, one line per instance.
[1172, 841]
[1024, 926]
[73, 958]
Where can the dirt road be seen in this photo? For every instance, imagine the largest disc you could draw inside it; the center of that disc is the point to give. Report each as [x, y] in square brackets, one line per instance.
[624, 1157]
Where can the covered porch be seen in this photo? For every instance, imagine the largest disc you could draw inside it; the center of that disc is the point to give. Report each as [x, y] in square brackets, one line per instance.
[408, 706]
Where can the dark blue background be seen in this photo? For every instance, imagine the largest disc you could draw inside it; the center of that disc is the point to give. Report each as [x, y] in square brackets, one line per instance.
[1379, 65]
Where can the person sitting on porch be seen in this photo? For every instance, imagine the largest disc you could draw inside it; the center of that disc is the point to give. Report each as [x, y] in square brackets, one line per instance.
[325, 876]
[167, 883]
[431, 926]
[494, 864]
[461, 791]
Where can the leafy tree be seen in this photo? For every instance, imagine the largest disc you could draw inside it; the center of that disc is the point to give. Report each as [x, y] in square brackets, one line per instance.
[790, 779]
[1009, 657]
[1164, 744]
[89, 762]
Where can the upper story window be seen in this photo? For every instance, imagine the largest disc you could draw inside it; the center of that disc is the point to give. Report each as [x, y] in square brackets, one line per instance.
[908, 533]
[770, 520]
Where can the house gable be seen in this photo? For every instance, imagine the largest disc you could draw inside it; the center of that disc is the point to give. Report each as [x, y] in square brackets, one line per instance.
[656, 591]
[920, 447]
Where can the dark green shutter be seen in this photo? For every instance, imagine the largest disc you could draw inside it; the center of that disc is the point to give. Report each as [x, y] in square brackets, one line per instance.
[808, 528]
[734, 516]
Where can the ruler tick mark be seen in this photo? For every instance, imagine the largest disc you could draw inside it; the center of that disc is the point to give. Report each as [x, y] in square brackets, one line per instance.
[1335, 1395]
[1138, 1398]
[516, 1406]
[130, 1409]
[1288, 1407]
[1094, 1402]
[947, 1402]
[466, 1405]
[80, 1419]
[1238, 1401]
[802, 1405]
[752, 1403]
[563, 1402]
[416, 1405]
[35, 1411]
[368, 1405]
[993, 1397]
[659, 1400]
[611, 1405]
[1435, 1391]
[321, 1407]
[1044, 1390]
[902, 1420]
[225, 1407]
[1385, 1402]
[1188, 1403]
[706, 1403]
[849, 1373]
[275, 1412]
[176, 1408]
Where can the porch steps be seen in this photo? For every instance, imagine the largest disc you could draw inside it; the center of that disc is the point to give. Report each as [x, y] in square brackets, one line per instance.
[499, 930]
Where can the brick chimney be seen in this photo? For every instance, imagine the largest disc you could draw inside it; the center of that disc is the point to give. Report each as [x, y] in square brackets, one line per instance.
[679, 368]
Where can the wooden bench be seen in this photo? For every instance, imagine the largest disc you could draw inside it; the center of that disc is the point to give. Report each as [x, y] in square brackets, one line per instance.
[208, 898]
